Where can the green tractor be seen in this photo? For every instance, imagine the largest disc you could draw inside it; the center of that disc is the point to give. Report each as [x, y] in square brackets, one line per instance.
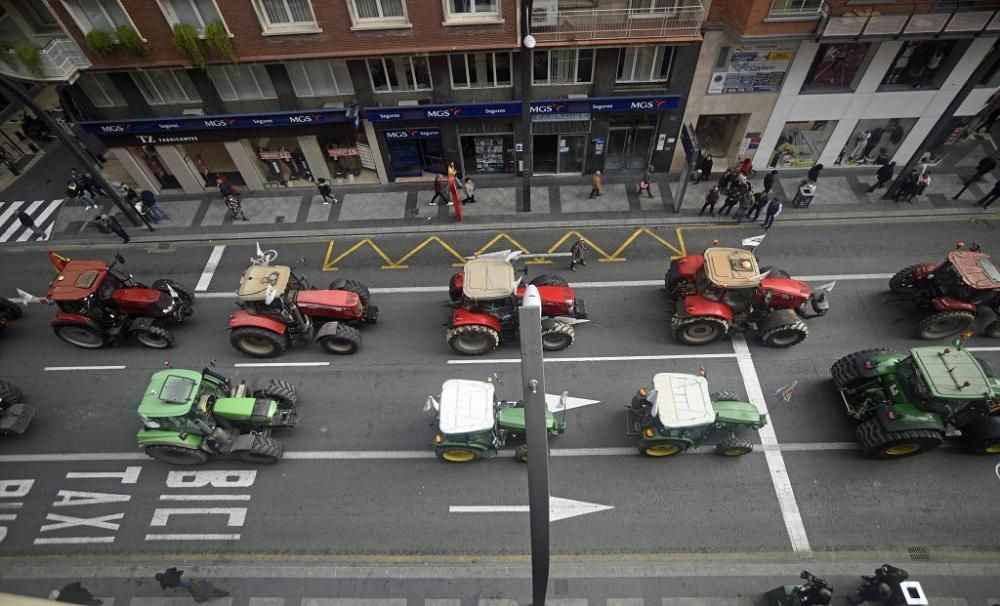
[473, 424]
[14, 414]
[678, 413]
[908, 405]
[189, 416]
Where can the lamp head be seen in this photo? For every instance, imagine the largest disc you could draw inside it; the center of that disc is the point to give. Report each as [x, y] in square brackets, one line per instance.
[529, 41]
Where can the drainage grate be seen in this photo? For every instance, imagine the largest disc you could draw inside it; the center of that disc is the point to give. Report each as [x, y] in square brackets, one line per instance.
[919, 553]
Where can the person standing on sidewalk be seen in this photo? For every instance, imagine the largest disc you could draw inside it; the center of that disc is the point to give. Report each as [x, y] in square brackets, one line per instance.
[28, 222]
[710, 200]
[470, 191]
[91, 184]
[171, 579]
[595, 184]
[438, 191]
[991, 196]
[732, 199]
[326, 191]
[148, 200]
[923, 182]
[706, 167]
[986, 165]
[774, 208]
[645, 183]
[745, 202]
[908, 188]
[726, 181]
[759, 202]
[769, 180]
[235, 207]
[75, 192]
[883, 176]
[112, 223]
[81, 183]
[813, 175]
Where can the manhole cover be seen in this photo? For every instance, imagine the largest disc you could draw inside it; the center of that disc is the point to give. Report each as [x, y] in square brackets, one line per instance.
[162, 247]
[919, 553]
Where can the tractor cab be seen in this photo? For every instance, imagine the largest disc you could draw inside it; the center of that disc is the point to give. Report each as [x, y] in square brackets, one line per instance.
[174, 398]
[489, 286]
[947, 382]
[968, 276]
[730, 276]
[680, 406]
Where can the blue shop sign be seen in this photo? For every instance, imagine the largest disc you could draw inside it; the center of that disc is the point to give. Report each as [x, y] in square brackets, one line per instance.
[513, 108]
[412, 133]
[227, 122]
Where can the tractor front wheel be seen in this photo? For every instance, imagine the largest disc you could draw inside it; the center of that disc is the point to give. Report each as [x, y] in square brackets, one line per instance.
[352, 286]
[983, 436]
[177, 455]
[265, 451]
[735, 447]
[904, 282]
[155, 337]
[473, 339]
[10, 310]
[81, 336]
[724, 396]
[944, 324]
[992, 329]
[282, 392]
[665, 448]
[9, 394]
[344, 342]
[877, 443]
[458, 454]
[846, 372]
[782, 328]
[258, 342]
[549, 280]
[558, 336]
[697, 331]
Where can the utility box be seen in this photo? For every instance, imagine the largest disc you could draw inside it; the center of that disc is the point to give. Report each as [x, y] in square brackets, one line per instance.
[804, 197]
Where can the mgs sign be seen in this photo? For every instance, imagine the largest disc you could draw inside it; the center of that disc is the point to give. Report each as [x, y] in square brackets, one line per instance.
[448, 112]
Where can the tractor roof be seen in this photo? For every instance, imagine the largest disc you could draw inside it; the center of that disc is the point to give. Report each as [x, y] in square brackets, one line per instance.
[466, 406]
[976, 268]
[947, 370]
[488, 278]
[256, 279]
[732, 267]
[170, 393]
[682, 400]
[77, 280]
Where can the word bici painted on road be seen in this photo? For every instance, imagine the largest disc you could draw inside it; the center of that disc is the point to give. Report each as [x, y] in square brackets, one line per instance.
[103, 513]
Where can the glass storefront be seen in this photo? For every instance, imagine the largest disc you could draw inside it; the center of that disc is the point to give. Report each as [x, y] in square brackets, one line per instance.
[280, 161]
[922, 64]
[485, 154]
[147, 154]
[414, 151]
[801, 143]
[211, 160]
[558, 153]
[837, 67]
[348, 157]
[874, 141]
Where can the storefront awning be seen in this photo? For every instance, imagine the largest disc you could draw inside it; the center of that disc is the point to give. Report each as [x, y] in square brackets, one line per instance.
[513, 108]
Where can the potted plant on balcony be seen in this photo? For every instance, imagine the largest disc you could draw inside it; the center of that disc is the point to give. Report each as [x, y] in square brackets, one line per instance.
[101, 42]
[31, 56]
[131, 41]
[186, 40]
[218, 40]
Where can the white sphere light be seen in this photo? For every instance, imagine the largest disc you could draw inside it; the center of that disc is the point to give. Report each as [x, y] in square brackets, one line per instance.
[529, 41]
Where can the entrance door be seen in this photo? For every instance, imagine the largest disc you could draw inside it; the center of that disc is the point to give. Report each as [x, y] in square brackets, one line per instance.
[571, 150]
[628, 148]
[546, 153]
[405, 158]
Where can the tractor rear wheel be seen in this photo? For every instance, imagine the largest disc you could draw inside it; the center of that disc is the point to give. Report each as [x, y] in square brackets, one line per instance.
[352, 286]
[455, 454]
[992, 329]
[558, 336]
[983, 436]
[81, 336]
[724, 396]
[281, 391]
[549, 280]
[879, 444]
[344, 342]
[735, 447]
[903, 281]
[10, 394]
[155, 337]
[265, 451]
[697, 330]
[10, 310]
[258, 342]
[473, 339]
[846, 372]
[662, 448]
[177, 455]
[782, 328]
[944, 324]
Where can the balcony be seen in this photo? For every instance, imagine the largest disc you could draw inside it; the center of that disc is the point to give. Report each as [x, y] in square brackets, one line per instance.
[796, 10]
[61, 59]
[551, 23]
[916, 19]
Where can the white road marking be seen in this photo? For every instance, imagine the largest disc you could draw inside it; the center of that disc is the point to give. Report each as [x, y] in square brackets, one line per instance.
[61, 368]
[192, 537]
[17, 224]
[204, 497]
[8, 517]
[772, 454]
[213, 263]
[594, 358]
[235, 516]
[277, 364]
[559, 509]
[12, 505]
[983, 348]
[73, 540]
[129, 476]
[217, 295]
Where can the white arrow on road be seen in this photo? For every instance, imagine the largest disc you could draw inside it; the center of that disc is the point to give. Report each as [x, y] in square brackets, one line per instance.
[552, 402]
[559, 509]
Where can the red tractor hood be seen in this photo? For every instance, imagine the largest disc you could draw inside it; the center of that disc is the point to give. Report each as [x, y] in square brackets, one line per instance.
[341, 304]
[787, 287]
[137, 296]
[556, 300]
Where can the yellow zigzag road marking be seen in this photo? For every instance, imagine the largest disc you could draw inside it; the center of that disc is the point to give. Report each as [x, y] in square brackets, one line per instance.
[515, 244]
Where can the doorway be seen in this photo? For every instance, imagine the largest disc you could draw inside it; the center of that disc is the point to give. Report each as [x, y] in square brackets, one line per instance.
[558, 154]
[720, 134]
[416, 151]
[628, 148]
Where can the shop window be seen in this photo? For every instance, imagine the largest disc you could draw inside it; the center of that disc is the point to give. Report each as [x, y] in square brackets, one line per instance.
[98, 14]
[101, 91]
[464, 11]
[644, 64]
[165, 86]
[394, 74]
[568, 66]
[370, 10]
[485, 154]
[196, 13]
[801, 143]
[480, 70]
[921, 64]
[242, 82]
[653, 6]
[875, 142]
[837, 67]
[286, 16]
[320, 78]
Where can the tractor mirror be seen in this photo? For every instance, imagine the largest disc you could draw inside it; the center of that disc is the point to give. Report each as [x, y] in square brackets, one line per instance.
[431, 404]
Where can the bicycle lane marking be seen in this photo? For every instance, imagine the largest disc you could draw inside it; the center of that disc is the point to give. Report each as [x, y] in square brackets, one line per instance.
[210, 267]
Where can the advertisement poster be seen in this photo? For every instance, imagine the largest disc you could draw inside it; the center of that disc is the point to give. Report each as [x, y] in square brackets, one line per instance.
[758, 68]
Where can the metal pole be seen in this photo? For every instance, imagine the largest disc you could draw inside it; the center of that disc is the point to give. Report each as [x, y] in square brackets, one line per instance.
[14, 91]
[526, 68]
[533, 382]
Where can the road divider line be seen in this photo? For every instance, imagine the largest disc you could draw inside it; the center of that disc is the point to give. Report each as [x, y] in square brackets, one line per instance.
[210, 267]
[204, 497]
[326, 455]
[61, 368]
[596, 358]
[983, 348]
[772, 454]
[193, 537]
[277, 364]
[73, 540]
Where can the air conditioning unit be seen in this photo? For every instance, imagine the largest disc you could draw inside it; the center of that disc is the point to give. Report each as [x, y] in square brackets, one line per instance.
[333, 105]
[409, 102]
[194, 111]
[545, 13]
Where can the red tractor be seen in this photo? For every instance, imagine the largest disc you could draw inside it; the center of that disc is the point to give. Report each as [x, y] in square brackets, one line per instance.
[99, 306]
[723, 291]
[486, 295]
[279, 308]
[951, 294]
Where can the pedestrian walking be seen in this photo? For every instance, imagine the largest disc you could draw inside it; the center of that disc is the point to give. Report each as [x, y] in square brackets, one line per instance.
[470, 191]
[991, 196]
[91, 185]
[769, 180]
[171, 579]
[112, 223]
[149, 202]
[645, 182]
[745, 202]
[235, 207]
[924, 164]
[731, 200]
[75, 192]
[77, 178]
[771, 212]
[595, 184]
[813, 175]
[986, 165]
[439, 192]
[203, 591]
[28, 222]
[908, 188]
[710, 200]
[745, 167]
[225, 188]
[923, 182]
[759, 202]
[883, 176]
[706, 167]
[144, 215]
[327, 192]
[75, 593]
[576, 254]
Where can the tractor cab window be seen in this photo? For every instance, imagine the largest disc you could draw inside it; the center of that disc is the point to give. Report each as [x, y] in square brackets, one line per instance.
[707, 288]
[176, 390]
[738, 298]
[503, 309]
[695, 433]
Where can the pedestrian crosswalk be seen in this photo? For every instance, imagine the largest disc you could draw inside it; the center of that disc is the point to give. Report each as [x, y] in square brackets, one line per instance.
[43, 214]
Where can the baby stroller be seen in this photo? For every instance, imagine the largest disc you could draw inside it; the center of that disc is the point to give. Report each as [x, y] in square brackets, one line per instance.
[235, 207]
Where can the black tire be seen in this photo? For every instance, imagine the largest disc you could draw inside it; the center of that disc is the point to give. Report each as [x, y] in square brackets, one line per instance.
[521, 453]
[661, 448]
[678, 289]
[982, 437]
[265, 451]
[903, 282]
[10, 310]
[176, 455]
[847, 371]
[725, 396]
[458, 454]
[454, 292]
[155, 337]
[80, 335]
[281, 391]
[944, 324]
[344, 342]
[734, 447]
[987, 369]
[782, 328]
[185, 291]
[473, 339]
[775, 272]
[352, 286]
[558, 336]
[258, 342]
[549, 280]
[697, 330]
[992, 329]
[10, 394]
[877, 443]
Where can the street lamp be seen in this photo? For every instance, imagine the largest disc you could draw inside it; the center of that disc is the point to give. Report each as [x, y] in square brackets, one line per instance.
[527, 43]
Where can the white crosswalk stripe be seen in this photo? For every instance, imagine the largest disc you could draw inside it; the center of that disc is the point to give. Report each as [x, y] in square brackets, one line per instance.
[42, 212]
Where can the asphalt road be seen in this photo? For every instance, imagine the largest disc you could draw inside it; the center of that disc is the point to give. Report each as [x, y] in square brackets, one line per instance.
[361, 480]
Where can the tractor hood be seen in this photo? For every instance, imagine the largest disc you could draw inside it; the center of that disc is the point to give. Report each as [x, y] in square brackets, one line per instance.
[257, 410]
[329, 299]
[786, 287]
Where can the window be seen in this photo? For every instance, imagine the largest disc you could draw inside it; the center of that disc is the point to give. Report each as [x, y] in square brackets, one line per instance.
[652, 6]
[800, 143]
[473, 7]
[242, 82]
[644, 64]
[165, 86]
[101, 90]
[286, 15]
[320, 78]
[564, 66]
[196, 13]
[36, 13]
[807, 9]
[98, 14]
[392, 74]
[378, 9]
[480, 70]
[874, 142]
[922, 64]
[837, 67]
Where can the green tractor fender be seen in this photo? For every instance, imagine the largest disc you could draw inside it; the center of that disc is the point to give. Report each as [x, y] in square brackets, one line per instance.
[903, 417]
[157, 437]
[734, 413]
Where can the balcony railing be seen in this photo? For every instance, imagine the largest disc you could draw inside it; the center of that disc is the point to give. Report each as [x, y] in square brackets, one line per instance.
[552, 24]
[911, 19]
[61, 59]
[797, 10]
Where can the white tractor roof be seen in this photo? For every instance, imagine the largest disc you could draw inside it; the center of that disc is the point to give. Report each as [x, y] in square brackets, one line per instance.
[683, 400]
[466, 406]
[488, 278]
[256, 279]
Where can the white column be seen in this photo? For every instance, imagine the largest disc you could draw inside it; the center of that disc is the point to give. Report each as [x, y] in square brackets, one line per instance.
[136, 169]
[376, 146]
[180, 167]
[879, 66]
[245, 163]
[314, 156]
